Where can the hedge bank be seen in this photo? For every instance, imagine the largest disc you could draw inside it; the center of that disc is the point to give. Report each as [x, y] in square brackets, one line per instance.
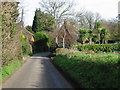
[90, 71]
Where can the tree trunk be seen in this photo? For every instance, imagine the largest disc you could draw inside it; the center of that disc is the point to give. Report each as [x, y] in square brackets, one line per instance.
[90, 41]
[56, 41]
[83, 42]
[64, 42]
[64, 38]
[99, 38]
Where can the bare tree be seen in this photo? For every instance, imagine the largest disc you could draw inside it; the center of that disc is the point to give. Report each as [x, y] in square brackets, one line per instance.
[58, 8]
[80, 18]
[97, 18]
[90, 19]
[87, 19]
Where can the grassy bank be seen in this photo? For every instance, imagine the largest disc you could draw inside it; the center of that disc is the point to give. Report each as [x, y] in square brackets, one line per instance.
[8, 70]
[90, 71]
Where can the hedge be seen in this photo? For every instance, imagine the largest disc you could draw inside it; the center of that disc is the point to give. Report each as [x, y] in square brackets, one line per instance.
[42, 43]
[100, 47]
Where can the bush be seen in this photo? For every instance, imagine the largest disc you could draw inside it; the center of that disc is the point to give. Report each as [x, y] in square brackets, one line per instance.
[61, 50]
[90, 71]
[26, 47]
[100, 47]
[42, 43]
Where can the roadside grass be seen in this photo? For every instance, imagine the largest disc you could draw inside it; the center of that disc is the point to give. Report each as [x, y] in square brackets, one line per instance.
[90, 71]
[6, 71]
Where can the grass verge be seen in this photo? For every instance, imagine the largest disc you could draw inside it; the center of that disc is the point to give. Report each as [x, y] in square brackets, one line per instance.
[8, 70]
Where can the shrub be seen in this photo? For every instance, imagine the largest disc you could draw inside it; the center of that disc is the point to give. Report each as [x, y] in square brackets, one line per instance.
[61, 50]
[100, 47]
[42, 43]
[26, 47]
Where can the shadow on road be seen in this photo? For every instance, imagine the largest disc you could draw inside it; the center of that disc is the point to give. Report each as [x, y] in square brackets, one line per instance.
[49, 77]
[37, 72]
[43, 54]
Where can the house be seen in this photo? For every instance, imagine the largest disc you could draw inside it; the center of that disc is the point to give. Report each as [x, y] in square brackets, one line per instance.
[66, 36]
[30, 36]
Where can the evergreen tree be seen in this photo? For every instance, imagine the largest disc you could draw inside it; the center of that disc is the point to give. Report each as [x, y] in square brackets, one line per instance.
[42, 21]
[104, 35]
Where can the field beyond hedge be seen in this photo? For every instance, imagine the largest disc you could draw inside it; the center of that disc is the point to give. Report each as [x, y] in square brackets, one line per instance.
[90, 71]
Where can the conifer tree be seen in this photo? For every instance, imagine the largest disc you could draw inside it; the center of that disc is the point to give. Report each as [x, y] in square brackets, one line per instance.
[42, 21]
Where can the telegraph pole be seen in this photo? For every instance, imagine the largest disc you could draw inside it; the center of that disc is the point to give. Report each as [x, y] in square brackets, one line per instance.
[119, 18]
[22, 15]
[21, 22]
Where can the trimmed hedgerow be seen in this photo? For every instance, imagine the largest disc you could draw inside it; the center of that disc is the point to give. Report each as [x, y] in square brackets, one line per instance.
[100, 47]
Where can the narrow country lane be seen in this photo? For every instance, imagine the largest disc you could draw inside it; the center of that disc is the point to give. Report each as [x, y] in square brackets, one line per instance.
[37, 72]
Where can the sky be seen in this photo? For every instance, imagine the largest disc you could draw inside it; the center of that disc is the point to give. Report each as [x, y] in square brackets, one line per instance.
[119, 8]
[108, 9]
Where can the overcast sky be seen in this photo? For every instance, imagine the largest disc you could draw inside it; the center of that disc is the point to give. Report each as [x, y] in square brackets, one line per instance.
[107, 8]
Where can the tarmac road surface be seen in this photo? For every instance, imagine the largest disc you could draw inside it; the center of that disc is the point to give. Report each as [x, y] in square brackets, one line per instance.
[37, 72]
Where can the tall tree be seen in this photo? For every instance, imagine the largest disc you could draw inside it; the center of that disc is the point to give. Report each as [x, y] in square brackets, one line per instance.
[87, 19]
[58, 8]
[42, 21]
